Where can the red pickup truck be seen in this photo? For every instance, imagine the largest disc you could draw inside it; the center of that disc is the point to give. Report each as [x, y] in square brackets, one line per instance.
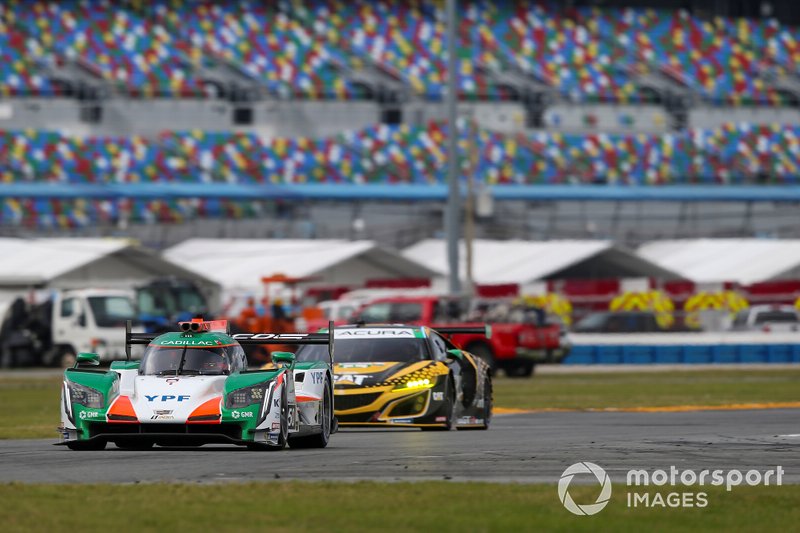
[516, 345]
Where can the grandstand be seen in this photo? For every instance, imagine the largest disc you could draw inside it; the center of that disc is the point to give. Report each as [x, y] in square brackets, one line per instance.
[116, 115]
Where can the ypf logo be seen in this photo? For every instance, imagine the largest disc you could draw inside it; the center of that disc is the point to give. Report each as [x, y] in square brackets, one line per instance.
[602, 499]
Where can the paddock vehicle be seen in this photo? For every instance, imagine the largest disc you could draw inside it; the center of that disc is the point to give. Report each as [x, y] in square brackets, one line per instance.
[193, 387]
[163, 302]
[408, 376]
[514, 346]
[72, 321]
[619, 322]
[767, 318]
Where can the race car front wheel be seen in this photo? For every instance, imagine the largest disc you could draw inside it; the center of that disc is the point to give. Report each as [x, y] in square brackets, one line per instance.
[484, 352]
[488, 394]
[284, 431]
[282, 438]
[487, 407]
[319, 440]
[449, 409]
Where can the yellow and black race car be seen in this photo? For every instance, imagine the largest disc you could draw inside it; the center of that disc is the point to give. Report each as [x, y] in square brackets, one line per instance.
[407, 376]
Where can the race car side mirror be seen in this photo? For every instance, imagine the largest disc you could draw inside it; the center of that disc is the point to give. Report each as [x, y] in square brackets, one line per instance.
[455, 354]
[87, 358]
[283, 357]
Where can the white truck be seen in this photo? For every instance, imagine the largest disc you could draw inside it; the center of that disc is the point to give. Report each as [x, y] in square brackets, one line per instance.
[72, 321]
[767, 318]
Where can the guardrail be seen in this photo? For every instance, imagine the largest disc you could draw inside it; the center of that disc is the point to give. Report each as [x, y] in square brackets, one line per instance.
[685, 348]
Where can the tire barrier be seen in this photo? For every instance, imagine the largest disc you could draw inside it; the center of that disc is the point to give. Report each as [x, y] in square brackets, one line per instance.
[682, 348]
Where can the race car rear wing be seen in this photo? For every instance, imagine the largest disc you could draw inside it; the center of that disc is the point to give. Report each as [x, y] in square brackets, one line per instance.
[486, 330]
[135, 338]
[245, 339]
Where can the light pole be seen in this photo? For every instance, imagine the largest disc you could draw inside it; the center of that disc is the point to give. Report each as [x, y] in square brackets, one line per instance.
[453, 209]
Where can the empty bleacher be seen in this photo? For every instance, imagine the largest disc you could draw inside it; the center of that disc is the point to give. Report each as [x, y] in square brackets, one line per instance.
[317, 49]
[335, 91]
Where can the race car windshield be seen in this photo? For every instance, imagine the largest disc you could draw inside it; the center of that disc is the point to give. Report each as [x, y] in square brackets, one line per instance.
[366, 350]
[185, 361]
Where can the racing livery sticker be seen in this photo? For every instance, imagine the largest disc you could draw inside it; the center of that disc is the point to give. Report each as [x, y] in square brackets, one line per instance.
[373, 333]
[355, 379]
[189, 342]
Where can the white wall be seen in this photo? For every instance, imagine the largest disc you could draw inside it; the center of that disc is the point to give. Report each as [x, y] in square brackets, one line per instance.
[608, 118]
[508, 117]
[712, 117]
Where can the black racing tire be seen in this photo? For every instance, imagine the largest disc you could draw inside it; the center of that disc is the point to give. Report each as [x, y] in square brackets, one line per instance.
[487, 406]
[93, 445]
[484, 351]
[134, 445]
[319, 440]
[488, 400]
[449, 409]
[520, 369]
[284, 436]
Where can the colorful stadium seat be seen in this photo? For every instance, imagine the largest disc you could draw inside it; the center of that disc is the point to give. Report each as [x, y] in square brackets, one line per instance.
[301, 49]
[734, 153]
[306, 49]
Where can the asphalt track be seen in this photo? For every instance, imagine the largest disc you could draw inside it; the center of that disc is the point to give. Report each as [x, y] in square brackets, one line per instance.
[534, 447]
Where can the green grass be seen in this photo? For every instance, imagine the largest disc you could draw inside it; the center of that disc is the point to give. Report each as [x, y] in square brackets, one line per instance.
[30, 405]
[652, 389]
[369, 506]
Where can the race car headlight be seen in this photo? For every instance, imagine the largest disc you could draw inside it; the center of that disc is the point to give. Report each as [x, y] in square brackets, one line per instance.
[246, 396]
[85, 396]
[423, 383]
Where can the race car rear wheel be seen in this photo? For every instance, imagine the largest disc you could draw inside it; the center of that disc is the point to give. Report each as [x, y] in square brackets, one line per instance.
[319, 440]
[87, 445]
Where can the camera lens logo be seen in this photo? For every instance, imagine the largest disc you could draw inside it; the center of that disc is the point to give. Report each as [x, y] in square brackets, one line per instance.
[602, 499]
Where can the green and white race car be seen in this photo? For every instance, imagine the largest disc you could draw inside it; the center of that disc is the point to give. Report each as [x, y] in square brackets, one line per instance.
[193, 387]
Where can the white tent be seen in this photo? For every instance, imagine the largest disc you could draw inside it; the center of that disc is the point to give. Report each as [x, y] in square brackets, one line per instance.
[516, 261]
[239, 264]
[716, 260]
[76, 263]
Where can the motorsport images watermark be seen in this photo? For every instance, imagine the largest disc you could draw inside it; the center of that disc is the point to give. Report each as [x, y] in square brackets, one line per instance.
[641, 497]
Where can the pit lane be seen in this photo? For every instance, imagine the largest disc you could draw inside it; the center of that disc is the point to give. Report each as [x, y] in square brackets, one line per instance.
[534, 447]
